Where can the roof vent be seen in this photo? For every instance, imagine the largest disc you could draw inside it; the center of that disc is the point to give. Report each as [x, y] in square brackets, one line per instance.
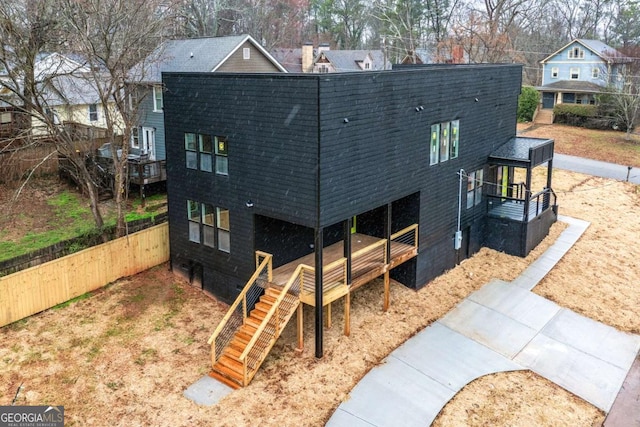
[191, 55]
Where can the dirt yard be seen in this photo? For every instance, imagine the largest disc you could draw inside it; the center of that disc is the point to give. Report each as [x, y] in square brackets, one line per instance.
[124, 355]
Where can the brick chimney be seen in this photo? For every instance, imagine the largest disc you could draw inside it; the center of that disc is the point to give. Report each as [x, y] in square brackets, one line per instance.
[307, 57]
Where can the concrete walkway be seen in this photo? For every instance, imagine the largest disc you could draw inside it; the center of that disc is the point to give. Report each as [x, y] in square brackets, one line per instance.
[501, 327]
[596, 168]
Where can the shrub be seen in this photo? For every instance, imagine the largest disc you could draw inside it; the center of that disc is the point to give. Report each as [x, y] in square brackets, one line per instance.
[527, 103]
[575, 114]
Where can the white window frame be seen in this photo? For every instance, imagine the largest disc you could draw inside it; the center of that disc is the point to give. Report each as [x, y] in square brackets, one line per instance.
[555, 72]
[158, 99]
[576, 71]
[576, 52]
[135, 137]
[595, 73]
[5, 117]
[246, 53]
[93, 112]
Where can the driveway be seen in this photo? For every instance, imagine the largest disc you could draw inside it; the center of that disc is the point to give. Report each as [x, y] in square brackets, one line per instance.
[596, 168]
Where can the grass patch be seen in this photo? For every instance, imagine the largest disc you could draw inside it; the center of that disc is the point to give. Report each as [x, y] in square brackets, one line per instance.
[71, 301]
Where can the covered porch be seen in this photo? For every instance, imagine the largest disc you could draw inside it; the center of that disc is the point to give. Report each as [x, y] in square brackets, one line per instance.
[518, 204]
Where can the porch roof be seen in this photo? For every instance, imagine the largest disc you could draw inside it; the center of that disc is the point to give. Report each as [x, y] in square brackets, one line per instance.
[575, 86]
[523, 152]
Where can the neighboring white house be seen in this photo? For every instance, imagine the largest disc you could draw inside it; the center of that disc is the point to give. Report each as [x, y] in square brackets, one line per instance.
[578, 71]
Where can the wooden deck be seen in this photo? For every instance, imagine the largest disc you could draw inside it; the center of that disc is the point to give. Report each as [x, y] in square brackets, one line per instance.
[368, 262]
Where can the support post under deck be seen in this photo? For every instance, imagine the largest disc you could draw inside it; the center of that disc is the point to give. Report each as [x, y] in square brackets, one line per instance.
[319, 243]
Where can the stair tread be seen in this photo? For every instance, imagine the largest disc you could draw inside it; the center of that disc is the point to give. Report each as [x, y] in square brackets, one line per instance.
[225, 380]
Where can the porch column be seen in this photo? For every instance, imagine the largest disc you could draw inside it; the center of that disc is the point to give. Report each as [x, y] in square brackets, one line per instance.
[318, 290]
[348, 223]
[387, 236]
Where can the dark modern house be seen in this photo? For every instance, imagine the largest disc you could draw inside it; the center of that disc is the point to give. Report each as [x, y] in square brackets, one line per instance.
[399, 174]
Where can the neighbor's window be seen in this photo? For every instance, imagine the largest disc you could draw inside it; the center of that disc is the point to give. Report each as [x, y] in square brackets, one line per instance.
[158, 103]
[208, 225]
[455, 138]
[193, 214]
[135, 138]
[93, 112]
[555, 71]
[205, 146]
[5, 117]
[434, 147]
[444, 142]
[475, 182]
[246, 53]
[222, 159]
[191, 147]
[224, 238]
[574, 73]
[595, 73]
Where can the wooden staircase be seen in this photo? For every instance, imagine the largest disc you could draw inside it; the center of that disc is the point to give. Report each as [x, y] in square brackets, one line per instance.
[252, 341]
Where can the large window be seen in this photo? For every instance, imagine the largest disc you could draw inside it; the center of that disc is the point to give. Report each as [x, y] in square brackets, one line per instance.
[475, 182]
[574, 73]
[158, 102]
[199, 152]
[209, 225]
[445, 142]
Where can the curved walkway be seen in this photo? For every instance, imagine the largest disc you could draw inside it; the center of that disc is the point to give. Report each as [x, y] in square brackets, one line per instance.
[501, 327]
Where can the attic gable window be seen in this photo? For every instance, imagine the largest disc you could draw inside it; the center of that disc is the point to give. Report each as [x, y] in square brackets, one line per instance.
[246, 53]
[576, 53]
[158, 102]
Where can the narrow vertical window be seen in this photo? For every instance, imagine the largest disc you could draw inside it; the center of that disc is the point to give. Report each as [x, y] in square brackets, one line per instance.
[191, 147]
[222, 160]
[455, 138]
[444, 142]
[208, 225]
[93, 112]
[222, 222]
[595, 73]
[471, 187]
[246, 53]
[158, 103]
[193, 213]
[135, 138]
[479, 184]
[205, 146]
[434, 147]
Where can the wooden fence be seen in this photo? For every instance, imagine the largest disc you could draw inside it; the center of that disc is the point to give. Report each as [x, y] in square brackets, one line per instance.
[38, 288]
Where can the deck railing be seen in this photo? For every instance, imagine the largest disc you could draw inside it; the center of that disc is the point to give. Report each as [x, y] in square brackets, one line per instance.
[272, 324]
[407, 236]
[517, 209]
[333, 274]
[368, 257]
[237, 313]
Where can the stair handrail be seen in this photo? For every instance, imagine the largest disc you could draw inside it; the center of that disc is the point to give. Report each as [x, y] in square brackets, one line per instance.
[270, 313]
[266, 263]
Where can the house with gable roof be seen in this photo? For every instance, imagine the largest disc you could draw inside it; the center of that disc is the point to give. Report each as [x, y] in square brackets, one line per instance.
[325, 60]
[577, 72]
[240, 54]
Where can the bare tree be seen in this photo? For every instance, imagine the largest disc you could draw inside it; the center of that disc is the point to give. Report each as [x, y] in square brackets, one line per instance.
[113, 36]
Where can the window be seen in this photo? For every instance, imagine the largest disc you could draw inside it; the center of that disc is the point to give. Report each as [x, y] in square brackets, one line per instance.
[5, 117]
[224, 238]
[367, 66]
[93, 113]
[133, 98]
[444, 142]
[193, 214]
[191, 148]
[135, 138]
[222, 160]
[204, 144]
[455, 138]
[595, 73]
[246, 53]
[475, 182]
[435, 144]
[157, 98]
[574, 73]
[555, 71]
[323, 69]
[208, 226]
[576, 53]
